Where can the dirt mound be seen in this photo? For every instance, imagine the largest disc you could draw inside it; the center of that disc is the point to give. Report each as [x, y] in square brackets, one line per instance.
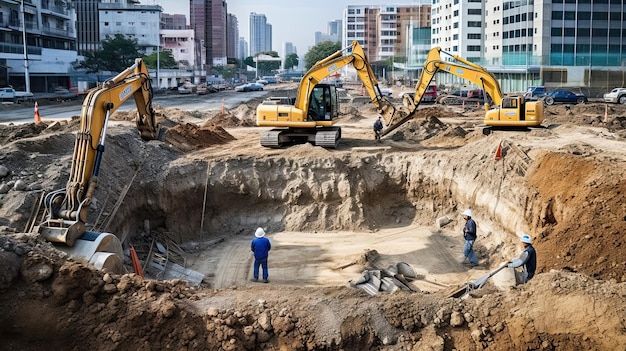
[583, 217]
[421, 128]
[189, 136]
[50, 303]
[351, 114]
[230, 120]
[612, 117]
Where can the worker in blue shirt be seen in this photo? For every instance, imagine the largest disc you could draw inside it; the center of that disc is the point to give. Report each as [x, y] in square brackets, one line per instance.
[469, 234]
[527, 260]
[261, 247]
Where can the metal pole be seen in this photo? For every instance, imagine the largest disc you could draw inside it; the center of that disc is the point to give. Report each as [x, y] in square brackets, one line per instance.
[26, 73]
[158, 54]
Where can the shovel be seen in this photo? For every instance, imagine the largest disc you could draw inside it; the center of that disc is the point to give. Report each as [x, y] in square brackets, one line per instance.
[477, 284]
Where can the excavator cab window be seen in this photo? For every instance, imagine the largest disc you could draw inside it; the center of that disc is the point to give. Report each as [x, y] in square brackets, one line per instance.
[323, 105]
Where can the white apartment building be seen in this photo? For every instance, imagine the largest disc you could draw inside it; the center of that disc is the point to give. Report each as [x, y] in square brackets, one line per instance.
[579, 45]
[140, 22]
[181, 43]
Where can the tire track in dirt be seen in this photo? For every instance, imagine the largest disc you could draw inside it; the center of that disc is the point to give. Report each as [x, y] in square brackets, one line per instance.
[233, 267]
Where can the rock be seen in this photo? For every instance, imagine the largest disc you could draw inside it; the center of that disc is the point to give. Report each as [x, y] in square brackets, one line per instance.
[456, 319]
[110, 288]
[442, 221]
[4, 188]
[34, 187]
[20, 185]
[10, 264]
[37, 272]
[4, 171]
[265, 321]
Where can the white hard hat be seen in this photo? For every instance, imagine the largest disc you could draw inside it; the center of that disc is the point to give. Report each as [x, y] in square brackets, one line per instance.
[526, 239]
[467, 213]
[259, 232]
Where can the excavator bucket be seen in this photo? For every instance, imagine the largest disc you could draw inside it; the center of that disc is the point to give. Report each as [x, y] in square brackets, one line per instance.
[61, 231]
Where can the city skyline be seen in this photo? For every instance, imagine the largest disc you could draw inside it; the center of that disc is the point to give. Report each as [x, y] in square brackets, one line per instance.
[290, 23]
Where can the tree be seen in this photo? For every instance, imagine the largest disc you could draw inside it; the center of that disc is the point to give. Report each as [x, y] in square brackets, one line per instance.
[166, 60]
[117, 54]
[264, 66]
[320, 51]
[291, 61]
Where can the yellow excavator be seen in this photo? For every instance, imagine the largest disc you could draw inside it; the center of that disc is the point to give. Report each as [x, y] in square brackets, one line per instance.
[312, 114]
[66, 209]
[501, 111]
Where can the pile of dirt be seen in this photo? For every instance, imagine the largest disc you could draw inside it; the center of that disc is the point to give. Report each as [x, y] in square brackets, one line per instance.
[228, 119]
[583, 219]
[52, 303]
[189, 136]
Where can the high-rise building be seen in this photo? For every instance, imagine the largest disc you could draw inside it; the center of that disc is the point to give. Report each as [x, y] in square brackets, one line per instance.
[232, 36]
[175, 21]
[335, 28]
[87, 25]
[208, 20]
[288, 48]
[333, 33]
[541, 42]
[383, 31]
[243, 49]
[260, 34]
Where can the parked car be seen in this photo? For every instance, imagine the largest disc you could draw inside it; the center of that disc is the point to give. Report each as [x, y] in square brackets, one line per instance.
[564, 96]
[7, 95]
[249, 87]
[476, 94]
[261, 81]
[535, 92]
[23, 96]
[187, 88]
[617, 95]
[201, 89]
[461, 93]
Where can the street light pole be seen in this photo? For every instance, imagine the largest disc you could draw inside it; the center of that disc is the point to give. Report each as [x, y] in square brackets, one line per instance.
[26, 72]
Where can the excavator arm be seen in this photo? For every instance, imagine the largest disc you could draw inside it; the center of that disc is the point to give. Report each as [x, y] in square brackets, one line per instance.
[356, 57]
[465, 69]
[67, 208]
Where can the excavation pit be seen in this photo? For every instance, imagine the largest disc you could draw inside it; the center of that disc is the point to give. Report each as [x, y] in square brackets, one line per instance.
[325, 210]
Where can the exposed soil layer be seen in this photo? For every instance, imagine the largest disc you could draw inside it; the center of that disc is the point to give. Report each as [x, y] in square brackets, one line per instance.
[209, 184]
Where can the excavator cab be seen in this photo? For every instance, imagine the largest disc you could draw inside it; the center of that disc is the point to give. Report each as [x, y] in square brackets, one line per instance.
[312, 123]
[323, 105]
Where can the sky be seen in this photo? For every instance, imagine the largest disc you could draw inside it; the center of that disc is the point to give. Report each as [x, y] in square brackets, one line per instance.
[293, 21]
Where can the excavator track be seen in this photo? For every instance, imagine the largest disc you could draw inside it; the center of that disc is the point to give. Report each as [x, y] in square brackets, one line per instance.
[328, 137]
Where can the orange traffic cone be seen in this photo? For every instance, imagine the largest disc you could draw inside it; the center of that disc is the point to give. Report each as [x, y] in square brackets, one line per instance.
[499, 151]
[37, 117]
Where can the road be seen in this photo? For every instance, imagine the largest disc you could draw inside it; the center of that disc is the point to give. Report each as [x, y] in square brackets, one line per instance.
[190, 102]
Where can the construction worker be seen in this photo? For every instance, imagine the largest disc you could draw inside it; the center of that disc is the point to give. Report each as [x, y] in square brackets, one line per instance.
[378, 128]
[527, 260]
[261, 247]
[469, 234]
